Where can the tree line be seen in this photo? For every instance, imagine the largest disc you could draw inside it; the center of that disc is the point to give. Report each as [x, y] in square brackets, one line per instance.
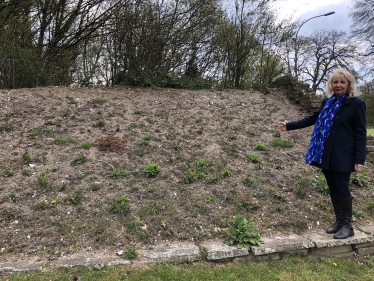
[169, 43]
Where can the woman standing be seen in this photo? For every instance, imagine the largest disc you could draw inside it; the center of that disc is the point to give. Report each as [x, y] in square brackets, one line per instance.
[338, 144]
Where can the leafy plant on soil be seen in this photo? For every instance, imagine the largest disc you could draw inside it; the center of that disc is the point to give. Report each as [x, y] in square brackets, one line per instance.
[151, 170]
[121, 205]
[242, 233]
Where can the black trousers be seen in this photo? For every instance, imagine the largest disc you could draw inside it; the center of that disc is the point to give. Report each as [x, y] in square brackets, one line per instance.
[338, 183]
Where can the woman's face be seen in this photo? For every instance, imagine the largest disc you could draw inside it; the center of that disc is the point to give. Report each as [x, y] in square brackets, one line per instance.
[339, 85]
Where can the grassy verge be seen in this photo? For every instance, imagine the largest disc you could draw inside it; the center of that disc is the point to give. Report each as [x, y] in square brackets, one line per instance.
[294, 268]
[370, 132]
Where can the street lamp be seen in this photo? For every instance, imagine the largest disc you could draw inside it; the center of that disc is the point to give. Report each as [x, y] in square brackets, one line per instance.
[324, 15]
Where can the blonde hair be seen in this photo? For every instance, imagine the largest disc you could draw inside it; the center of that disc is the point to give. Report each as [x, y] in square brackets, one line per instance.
[347, 76]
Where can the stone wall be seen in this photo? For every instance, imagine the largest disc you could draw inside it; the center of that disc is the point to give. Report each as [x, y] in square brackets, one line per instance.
[299, 92]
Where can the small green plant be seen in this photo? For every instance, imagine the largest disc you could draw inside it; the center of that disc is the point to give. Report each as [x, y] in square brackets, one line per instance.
[7, 126]
[130, 254]
[144, 141]
[138, 112]
[276, 134]
[261, 147]
[99, 101]
[95, 187]
[253, 158]
[282, 143]
[356, 214]
[276, 195]
[319, 184]
[371, 205]
[248, 181]
[75, 198]
[43, 179]
[14, 197]
[7, 174]
[99, 124]
[135, 225]
[360, 179]
[119, 173]
[87, 145]
[81, 159]
[226, 173]
[62, 140]
[203, 253]
[194, 175]
[151, 170]
[202, 164]
[242, 233]
[121, 205]
[27, 159]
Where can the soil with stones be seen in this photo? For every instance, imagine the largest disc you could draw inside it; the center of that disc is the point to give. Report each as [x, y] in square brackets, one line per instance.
[89, 170]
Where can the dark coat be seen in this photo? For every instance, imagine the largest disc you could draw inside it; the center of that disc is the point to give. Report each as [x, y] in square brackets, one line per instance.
[346, 144]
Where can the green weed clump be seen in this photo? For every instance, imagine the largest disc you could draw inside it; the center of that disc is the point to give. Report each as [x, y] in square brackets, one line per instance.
[43, 179]
[253, 158]
[242, 233]
[99, 101]
[81, 159]
[282, 143]
[261, 147]
[151, 170]
[75, 198]
[121, 205]
[62, 140]
[319, 184]
[87, 145]
[145, 141]
[119, 173]
[360, 179]
[7, 126]
[130, 254]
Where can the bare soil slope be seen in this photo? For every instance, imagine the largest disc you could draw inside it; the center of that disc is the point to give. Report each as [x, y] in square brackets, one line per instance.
[215, 151]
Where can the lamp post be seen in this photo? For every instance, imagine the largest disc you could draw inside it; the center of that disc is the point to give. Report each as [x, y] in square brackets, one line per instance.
[296, 48]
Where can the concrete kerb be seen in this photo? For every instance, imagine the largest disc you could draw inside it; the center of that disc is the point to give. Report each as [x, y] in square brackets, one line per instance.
[217, 251]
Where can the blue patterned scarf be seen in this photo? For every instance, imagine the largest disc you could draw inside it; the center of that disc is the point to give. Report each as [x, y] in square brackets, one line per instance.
[322, 129]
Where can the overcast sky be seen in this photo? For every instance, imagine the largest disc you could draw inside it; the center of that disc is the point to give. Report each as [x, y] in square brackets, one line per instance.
[305, 9]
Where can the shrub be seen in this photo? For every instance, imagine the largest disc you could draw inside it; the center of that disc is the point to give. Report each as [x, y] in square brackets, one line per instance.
[242, 233]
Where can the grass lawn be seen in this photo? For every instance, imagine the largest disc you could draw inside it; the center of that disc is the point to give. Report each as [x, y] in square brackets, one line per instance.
[370, 132]
[311, 268]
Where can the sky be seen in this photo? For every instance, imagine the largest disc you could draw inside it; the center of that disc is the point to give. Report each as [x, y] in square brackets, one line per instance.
[305, 9]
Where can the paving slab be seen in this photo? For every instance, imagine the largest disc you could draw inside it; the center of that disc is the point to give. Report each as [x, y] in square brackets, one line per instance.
[178, 251]
[282, 245]
[21, 266]
[218, 250]
[90, 261]
[327, 240]
[369, 229]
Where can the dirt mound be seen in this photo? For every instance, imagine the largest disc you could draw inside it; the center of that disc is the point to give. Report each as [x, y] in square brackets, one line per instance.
[188, 161]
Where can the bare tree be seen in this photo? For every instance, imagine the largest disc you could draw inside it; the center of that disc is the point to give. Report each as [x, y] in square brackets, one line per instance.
[322, 53]
[363, 30]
